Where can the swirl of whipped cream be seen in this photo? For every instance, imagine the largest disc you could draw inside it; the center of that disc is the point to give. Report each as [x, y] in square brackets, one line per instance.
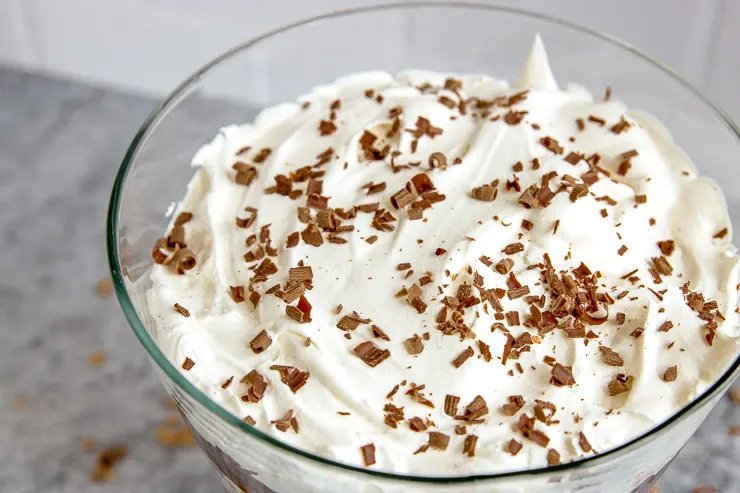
[637, 216]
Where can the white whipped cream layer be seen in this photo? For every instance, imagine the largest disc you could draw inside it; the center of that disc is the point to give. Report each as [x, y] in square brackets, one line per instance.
[363, 277]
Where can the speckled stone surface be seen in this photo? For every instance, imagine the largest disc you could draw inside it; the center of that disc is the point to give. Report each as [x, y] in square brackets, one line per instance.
[60, 146]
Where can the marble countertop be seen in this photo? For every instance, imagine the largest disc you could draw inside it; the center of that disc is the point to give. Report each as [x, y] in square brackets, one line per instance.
[60, 146]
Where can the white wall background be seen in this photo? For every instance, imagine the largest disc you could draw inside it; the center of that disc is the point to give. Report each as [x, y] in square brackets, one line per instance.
[150, 45]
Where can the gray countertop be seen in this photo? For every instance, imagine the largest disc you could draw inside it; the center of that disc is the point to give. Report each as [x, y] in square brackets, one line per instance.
[60, 146]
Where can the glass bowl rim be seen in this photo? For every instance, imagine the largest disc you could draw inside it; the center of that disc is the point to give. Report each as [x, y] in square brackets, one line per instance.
[148, 126]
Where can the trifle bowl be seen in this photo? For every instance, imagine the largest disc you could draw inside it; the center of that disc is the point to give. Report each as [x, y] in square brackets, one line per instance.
[255, 444]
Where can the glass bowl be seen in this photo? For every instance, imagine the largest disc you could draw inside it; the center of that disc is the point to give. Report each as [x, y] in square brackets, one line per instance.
[283, 64]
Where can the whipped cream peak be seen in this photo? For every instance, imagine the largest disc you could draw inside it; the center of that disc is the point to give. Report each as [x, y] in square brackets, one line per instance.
[470, 277]
[536, 72]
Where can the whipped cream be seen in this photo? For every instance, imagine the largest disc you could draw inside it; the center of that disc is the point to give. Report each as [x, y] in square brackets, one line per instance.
[605, 388]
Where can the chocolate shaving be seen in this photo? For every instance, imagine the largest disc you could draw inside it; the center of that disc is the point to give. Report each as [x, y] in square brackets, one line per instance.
[414, 345]
[515, 293]
[551, 145]
[181, 310]
[667, 247]
[237, 293]
[469, 445]
[485, 350]
[315, 201]
[451, 403]
[245, 174]
[618, 385]
[368, 454]
[421, 183]
[417, 424]
[312, 236]
[327, 127]
[553, 457]
[513, 447]
[515, 404]
[528, 198]
[261, 342]
[438, 441]
[438, 160]
[176, 238]
[475, 410]
[463, 357]
[300, 274]
[348, 323]
[371, 354]
[610, 357]
[378, 332]
[292, 377]
[484, 193]
[447, 102]
[562, 376]
[662, 266]
[508, 346]
[573, 157]
[513, 248]
[294, 291]
[583, 442]
[296, 314]
[188, 364]
[621, 126]
[671, 374]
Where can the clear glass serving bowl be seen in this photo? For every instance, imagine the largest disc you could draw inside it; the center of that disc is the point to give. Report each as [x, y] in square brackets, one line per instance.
[279, 66]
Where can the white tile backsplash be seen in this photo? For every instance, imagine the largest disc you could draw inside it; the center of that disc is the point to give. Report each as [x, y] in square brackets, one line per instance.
[151, 45]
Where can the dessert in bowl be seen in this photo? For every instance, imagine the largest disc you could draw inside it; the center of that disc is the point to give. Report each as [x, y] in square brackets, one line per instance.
[443, 275]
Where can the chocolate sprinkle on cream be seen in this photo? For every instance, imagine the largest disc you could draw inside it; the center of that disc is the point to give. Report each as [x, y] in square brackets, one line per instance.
[671, 374]
[368, 454]
[451, 403]
[610, 357]
[469, 445]
[371, 354]
[583, 442]
[463, 357]
[181, 310]
[414, 345]
[513, 447]
[261, 342]
[562, 376]
[553, 457]
[438, 441]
